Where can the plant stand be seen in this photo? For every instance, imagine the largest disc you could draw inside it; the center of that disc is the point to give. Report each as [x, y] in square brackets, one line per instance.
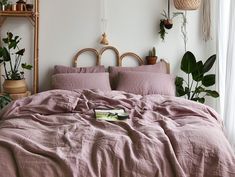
[33, 16]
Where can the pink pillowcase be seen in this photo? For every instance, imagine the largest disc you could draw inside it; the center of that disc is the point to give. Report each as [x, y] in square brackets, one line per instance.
[159, 67]
[146, 83]
[65, 69]
[71, 81]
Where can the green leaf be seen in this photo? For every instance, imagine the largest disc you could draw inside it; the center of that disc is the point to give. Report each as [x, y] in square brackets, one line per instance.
[1, 51]
[201, 100]
[212, 93]
[26, 66]
[198, 72]
[179, 81]
[5, 40]
[194, 99]
[209, 63]
[9, 35]
[188, 62]
[180, 91]
[20, 52]
[208, 80]
[186, 90]
[199, 90]
[6, 55]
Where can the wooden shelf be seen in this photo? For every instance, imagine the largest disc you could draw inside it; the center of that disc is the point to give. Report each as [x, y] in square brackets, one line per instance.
[34, 18]
[16, 13]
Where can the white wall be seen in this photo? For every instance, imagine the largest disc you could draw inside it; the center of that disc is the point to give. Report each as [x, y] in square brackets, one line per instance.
[67, 26]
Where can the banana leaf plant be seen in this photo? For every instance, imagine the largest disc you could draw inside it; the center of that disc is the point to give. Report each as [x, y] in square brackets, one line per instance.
[195, 87]
[11, 58]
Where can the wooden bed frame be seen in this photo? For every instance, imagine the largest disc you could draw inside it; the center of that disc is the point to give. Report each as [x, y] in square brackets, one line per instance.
[119, 58]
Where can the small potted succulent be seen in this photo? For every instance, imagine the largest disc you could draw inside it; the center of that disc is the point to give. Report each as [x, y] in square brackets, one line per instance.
[151, 58]
[11, 58]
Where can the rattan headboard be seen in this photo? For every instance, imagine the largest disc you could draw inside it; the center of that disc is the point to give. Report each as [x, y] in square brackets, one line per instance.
[119, 58]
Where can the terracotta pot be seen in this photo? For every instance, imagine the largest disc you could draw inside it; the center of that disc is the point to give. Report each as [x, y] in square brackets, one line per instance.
[21, 5]
[168, 23]
[14, 86]
[151, 60]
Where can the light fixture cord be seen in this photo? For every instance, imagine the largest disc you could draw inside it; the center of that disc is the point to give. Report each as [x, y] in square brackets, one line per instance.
[104, 20]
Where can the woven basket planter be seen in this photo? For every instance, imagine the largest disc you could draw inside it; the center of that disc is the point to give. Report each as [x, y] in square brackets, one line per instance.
[187, 4]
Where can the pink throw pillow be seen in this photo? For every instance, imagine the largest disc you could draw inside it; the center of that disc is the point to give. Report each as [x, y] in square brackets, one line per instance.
[71, 81]
[159, 67]
[58, 69]
[146, 83]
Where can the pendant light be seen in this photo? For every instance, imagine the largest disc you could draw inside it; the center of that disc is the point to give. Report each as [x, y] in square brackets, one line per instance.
[187, 4]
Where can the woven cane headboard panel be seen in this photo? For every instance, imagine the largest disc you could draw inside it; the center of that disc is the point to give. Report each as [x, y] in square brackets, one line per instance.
[119, 58]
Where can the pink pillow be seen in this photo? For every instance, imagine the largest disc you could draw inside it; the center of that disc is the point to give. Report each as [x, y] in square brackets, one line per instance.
[58, 69]
[159, 67]
[71, 81]
[146, 83]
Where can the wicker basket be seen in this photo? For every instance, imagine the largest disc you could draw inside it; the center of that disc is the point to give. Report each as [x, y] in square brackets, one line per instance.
[187, 4]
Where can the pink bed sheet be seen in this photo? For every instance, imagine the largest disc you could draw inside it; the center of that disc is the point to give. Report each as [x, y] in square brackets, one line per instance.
[55, 134]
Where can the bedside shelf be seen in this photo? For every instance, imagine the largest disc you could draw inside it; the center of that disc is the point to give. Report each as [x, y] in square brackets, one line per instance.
[33, 16]
[16, 13]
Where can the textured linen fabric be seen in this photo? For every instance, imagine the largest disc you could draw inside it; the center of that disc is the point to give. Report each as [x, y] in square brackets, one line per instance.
[71, 81]
[58, 69]
[146, 83]
[55, 134]
[159, 67]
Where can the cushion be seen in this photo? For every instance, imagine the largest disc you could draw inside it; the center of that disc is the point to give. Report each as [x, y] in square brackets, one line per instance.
[146, 83]
[159, 67]
[65, 69]
[71, 81]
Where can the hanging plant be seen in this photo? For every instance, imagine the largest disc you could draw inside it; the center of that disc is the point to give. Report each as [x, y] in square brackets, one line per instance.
[166, 23]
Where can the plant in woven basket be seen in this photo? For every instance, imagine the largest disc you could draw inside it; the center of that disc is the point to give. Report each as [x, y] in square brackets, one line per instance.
[196, 86]
[11, 58]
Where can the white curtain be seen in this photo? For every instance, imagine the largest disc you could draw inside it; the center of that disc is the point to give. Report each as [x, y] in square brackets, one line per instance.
[226, 64]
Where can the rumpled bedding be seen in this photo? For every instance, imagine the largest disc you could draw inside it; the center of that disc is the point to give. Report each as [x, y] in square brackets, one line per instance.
[55, 134]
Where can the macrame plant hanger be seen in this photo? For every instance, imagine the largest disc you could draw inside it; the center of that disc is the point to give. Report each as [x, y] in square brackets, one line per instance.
[206, 20]
[186, 5]
[104, 23]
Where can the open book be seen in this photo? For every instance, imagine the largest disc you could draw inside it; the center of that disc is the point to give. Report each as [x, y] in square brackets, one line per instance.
[111, 114]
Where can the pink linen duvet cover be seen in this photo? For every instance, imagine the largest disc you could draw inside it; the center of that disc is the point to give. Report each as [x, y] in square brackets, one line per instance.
[55, 134]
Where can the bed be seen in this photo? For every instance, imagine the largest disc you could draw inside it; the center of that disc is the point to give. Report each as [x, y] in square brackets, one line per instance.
[55, 133]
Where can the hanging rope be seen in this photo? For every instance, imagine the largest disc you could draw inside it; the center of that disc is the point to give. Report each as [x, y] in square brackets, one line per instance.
[206, 19]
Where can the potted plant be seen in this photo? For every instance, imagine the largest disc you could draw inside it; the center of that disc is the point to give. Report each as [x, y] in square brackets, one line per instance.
[151, 58]
[4, 4]
[195, 87]
[11, 58]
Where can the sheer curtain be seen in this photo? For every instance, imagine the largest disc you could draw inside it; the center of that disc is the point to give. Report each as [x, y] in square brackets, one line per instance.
[226, 64]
